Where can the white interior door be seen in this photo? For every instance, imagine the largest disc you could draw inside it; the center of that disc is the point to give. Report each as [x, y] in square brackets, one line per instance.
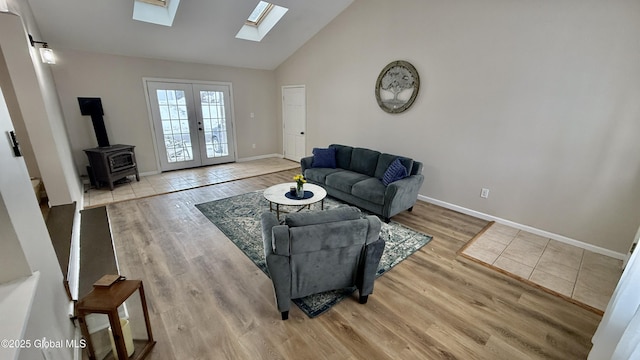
[192, 124]
[294, 120]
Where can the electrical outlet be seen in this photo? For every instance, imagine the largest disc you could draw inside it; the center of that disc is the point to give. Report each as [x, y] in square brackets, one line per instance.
[484, 193]
[253, 146]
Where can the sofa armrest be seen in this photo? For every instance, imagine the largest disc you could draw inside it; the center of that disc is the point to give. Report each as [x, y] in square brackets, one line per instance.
[417, 168]
[305, 163]
[401, 195]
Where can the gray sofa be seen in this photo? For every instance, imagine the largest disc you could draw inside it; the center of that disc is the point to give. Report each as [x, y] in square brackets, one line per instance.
[318, 251]
[357, 180]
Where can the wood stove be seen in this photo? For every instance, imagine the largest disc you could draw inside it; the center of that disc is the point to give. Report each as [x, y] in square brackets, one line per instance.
[107, 163]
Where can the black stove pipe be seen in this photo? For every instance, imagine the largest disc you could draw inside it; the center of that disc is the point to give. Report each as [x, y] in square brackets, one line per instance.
[93, 107]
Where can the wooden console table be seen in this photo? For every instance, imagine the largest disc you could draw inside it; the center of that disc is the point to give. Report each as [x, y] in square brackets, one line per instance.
[106, 300]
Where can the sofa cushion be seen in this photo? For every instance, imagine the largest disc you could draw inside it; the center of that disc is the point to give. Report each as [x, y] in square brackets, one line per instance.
[343, 180]
[370, 189]
[386, 159]
[343, 155]
[322, 217]
[364, 161]
[318, 175]
[324, 158]
[395, 172]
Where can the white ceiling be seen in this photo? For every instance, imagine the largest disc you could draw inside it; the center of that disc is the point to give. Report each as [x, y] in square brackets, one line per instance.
[203, 31]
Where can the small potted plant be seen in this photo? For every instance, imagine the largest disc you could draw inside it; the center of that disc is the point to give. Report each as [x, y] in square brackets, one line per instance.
[300, 180]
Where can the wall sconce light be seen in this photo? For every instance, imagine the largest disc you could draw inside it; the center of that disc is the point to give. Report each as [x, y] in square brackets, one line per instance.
[46, 54]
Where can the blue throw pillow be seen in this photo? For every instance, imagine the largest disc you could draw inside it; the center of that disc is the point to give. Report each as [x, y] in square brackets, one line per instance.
[396, 171]
[324, 158]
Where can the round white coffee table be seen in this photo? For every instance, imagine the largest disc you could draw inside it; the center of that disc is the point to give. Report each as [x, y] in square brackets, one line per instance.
[276, 194]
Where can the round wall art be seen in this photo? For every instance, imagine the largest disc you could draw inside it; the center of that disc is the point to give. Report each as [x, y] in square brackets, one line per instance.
[397, 87]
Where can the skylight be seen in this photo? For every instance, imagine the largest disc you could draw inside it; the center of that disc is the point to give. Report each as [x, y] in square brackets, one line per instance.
[156, 2]
[263, 18]
[261, 10]
[161, 12]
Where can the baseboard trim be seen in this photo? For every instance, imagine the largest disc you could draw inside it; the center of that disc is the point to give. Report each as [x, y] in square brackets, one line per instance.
[149, 173]
[260, 157]
[251, 158]
[544, 233]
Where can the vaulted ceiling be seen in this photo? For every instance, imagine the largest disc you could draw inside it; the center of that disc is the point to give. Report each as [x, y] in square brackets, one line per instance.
[203, 31]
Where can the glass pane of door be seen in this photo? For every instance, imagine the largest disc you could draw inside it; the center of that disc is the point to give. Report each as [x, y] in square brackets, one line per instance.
[175, 125]
[215, 126]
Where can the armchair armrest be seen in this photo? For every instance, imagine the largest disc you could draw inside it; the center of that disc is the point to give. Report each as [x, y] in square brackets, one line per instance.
[277, 265]
[369, 267]
[268, 221]
[305, 163]
[275, 237]
[401, 195]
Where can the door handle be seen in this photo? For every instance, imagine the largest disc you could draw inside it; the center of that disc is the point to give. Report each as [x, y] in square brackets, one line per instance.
[301, 132]
[200, 128]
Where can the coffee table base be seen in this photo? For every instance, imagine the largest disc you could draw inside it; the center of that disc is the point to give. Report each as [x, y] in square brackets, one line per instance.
[278, 211]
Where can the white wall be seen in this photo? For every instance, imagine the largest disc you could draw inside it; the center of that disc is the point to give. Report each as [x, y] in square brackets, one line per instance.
[13, 260]
[34, 98]
[537, 101]
[26, 246]
[118, 81]
[35, 102]
[18, 122]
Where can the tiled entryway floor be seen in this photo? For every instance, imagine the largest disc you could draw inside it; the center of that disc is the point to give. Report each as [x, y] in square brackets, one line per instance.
[579, 274]
[185, 179]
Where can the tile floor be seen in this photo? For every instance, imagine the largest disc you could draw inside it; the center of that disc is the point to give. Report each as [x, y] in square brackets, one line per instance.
[184, 179]
[579, 274]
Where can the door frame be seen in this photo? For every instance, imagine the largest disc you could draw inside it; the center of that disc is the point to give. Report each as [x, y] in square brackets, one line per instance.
[284, 139]
[156, 151]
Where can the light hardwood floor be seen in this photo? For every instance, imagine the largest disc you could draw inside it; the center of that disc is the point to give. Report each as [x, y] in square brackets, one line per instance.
[209, 301]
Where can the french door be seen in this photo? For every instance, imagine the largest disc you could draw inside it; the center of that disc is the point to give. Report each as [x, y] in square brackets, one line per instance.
[192, 123]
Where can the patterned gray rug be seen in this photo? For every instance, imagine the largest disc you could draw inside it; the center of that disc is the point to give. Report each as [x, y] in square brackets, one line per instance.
[238, 217]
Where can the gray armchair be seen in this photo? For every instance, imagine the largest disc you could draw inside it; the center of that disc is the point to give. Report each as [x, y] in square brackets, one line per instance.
[320, 251]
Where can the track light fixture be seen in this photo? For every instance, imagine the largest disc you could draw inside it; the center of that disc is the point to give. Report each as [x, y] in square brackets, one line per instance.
[46, 54]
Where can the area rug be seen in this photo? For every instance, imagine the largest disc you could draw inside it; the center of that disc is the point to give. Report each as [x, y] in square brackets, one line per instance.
[238, 217]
